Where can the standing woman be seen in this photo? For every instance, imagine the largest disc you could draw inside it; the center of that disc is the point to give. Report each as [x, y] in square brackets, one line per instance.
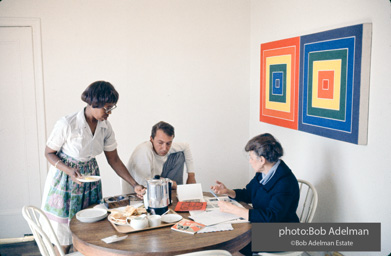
[274, 190]
[71, 149]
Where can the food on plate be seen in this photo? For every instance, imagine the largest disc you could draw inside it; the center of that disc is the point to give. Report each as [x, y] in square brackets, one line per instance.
[130, 210]
[119, 216]
[89, 178]
[141, 210]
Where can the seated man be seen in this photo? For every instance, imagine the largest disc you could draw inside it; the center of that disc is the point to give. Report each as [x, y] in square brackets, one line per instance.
[160, 156]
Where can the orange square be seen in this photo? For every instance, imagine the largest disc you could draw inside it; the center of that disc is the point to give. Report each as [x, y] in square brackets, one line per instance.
[326, 84]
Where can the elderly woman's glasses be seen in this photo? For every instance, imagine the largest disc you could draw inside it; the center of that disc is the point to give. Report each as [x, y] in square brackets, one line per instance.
[107, 110]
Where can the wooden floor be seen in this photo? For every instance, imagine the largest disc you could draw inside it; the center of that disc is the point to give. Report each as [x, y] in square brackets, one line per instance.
[19, 249]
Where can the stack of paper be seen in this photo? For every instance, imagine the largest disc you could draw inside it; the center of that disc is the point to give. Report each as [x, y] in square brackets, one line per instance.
[216, 228]
[212, 217]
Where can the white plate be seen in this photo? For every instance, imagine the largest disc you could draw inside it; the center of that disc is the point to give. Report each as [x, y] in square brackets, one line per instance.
[89, 179]
[170, 218]
[91, 215]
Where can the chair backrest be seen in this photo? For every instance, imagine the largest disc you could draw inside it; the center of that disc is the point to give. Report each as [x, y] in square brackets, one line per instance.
[39, 223]
[308, 201]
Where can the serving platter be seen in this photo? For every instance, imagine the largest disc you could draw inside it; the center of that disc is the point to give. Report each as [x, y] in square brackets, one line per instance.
[125, 228]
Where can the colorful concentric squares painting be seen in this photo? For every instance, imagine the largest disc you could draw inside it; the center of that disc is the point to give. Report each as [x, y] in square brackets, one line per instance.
[319, 83]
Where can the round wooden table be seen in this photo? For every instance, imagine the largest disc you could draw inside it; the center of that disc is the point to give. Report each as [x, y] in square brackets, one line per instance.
[161, 241]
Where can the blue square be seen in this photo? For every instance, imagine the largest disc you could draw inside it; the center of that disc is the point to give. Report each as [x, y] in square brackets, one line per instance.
[278, 78]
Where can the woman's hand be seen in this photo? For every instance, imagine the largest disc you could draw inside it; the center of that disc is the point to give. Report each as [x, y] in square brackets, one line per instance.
[74, 174]
[140, 191]
[231, 208]
[51, 156]
[220, 188]
[226, 206]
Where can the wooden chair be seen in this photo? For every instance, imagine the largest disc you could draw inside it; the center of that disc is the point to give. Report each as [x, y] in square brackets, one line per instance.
[43, 231]
[308, 203]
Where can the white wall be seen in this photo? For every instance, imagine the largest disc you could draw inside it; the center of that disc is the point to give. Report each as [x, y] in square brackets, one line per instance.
[184, 62]
[354, 182]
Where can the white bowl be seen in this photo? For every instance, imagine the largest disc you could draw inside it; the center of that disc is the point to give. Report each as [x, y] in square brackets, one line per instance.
[170, 218]
[91, 215]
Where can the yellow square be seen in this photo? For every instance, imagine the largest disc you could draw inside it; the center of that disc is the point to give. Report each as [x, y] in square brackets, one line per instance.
[282, 59]
[324, 65]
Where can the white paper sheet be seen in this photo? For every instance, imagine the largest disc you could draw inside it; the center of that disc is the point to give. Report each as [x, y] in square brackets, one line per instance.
[216, 228]
[213, 202]
[192, 192]
[212, 217]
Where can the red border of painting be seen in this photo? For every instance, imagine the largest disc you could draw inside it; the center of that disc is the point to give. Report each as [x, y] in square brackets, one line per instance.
[276, 48]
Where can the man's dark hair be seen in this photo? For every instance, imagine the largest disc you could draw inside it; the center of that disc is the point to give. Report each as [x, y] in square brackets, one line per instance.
[165, 127]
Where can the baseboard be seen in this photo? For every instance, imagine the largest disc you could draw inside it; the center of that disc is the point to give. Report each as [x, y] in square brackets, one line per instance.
[26, 238]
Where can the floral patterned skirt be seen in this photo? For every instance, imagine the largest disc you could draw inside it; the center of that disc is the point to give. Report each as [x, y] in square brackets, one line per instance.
[65, 197]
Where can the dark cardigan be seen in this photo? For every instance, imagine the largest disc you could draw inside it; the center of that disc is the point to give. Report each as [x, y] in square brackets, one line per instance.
[274, 202]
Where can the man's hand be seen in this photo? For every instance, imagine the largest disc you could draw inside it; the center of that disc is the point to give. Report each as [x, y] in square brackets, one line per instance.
[191, 178]
[174, 185]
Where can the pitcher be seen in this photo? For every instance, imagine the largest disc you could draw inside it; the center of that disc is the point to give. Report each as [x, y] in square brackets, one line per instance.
[158, 195]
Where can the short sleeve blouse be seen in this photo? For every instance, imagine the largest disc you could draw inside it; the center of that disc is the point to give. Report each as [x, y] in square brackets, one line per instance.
[73, 136]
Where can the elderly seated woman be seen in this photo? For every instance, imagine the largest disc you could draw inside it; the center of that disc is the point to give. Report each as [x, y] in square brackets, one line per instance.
[274, 190]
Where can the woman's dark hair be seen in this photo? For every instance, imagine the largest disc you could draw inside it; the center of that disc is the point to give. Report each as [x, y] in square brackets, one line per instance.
[265, 145]
[99, 93]
[165, 127]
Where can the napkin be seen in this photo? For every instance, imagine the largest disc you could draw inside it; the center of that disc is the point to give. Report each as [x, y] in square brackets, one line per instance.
[112, 239]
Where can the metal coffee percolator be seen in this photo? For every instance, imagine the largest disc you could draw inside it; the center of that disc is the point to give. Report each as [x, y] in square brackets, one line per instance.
[158, 195]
